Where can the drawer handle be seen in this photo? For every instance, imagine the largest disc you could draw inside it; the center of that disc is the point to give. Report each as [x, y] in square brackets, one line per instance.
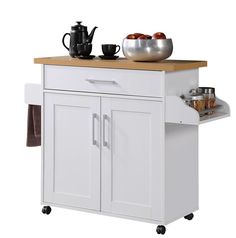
[95, 81]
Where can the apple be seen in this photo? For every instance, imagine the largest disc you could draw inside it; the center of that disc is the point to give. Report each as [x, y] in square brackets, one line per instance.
[148, 37]
[131, 36]
[159, 35]
[137, 35]
[143, 37]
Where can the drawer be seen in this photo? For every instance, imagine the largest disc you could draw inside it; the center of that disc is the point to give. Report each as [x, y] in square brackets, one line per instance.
[113, 81]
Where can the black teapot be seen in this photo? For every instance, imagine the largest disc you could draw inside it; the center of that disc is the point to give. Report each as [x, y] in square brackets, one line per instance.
[78, 35]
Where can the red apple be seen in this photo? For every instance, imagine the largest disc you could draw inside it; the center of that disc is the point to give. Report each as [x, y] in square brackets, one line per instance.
[148, 37]
[143, 37]
[159, 35]
[131, 36]
[137, 35]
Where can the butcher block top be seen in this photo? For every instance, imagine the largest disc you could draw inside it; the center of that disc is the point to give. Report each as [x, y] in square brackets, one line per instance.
[122, 63]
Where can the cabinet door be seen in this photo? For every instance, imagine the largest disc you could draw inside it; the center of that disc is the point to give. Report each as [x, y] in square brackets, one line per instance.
[132, 157]
[71, 169]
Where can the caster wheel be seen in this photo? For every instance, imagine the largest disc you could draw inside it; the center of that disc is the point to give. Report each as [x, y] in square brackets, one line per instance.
[161, 230]
[189, 216]
[46, 210]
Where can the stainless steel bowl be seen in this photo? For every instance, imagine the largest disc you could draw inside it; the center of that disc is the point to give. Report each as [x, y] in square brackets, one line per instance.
[147, 50]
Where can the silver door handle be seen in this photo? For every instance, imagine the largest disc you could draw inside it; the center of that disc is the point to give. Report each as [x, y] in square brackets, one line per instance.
[94, 141]
[105, 143]
[95, 81]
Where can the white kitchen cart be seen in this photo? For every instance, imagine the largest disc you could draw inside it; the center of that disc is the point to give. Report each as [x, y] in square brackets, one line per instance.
[118, 139]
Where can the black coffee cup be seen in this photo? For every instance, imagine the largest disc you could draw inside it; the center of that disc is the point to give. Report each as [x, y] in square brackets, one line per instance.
[110, 49]
[84, 49]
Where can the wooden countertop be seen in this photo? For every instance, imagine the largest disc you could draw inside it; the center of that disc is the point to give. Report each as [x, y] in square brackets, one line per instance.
[122, 63]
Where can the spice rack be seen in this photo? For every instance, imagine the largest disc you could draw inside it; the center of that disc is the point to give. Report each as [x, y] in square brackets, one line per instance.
[210, 110]
[178, 112]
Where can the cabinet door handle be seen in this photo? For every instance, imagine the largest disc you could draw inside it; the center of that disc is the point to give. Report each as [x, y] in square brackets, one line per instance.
[105, 143]
[95, 81]
[94, 141]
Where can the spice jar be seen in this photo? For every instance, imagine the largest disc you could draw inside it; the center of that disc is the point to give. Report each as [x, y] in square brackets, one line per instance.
[210, 99]
[196, 101]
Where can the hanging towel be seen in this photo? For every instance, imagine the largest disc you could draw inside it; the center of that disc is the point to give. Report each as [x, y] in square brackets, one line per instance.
[34, 126]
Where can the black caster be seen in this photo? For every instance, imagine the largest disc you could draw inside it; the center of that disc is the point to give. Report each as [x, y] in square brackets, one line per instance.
[189, 216]
[161, 230]
[46, 210]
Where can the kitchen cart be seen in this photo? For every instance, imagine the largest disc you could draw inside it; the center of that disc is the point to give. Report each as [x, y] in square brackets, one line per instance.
[117, 139]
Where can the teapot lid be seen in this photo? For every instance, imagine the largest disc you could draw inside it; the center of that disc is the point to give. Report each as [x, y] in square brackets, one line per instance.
[80, 27]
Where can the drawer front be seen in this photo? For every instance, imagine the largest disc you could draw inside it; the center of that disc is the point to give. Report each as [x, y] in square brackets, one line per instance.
[114, 81]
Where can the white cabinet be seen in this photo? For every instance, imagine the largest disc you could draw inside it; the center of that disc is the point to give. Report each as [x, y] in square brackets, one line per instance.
[120, 141]
[132, 157]
[129, 153]
[71, 150]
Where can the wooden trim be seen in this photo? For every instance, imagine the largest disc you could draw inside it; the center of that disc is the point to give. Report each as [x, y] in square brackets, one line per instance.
[122, 63]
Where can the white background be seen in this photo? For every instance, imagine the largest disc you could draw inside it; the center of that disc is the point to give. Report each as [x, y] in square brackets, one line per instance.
[200, 29]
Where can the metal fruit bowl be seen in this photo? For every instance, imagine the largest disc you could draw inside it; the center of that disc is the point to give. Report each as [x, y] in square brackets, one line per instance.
[147, 50]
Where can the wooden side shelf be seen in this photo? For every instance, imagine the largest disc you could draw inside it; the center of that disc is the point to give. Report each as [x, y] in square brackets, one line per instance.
[180, 113]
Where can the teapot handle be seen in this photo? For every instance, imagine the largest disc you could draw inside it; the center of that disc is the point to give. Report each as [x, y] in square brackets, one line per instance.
[63, 41]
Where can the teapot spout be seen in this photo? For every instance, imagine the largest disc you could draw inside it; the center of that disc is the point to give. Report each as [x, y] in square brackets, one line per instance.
[90, 36]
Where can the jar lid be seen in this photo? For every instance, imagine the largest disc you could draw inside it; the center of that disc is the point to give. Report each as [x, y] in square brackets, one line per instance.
[206, 90]
[196, 96]
[193, 91]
